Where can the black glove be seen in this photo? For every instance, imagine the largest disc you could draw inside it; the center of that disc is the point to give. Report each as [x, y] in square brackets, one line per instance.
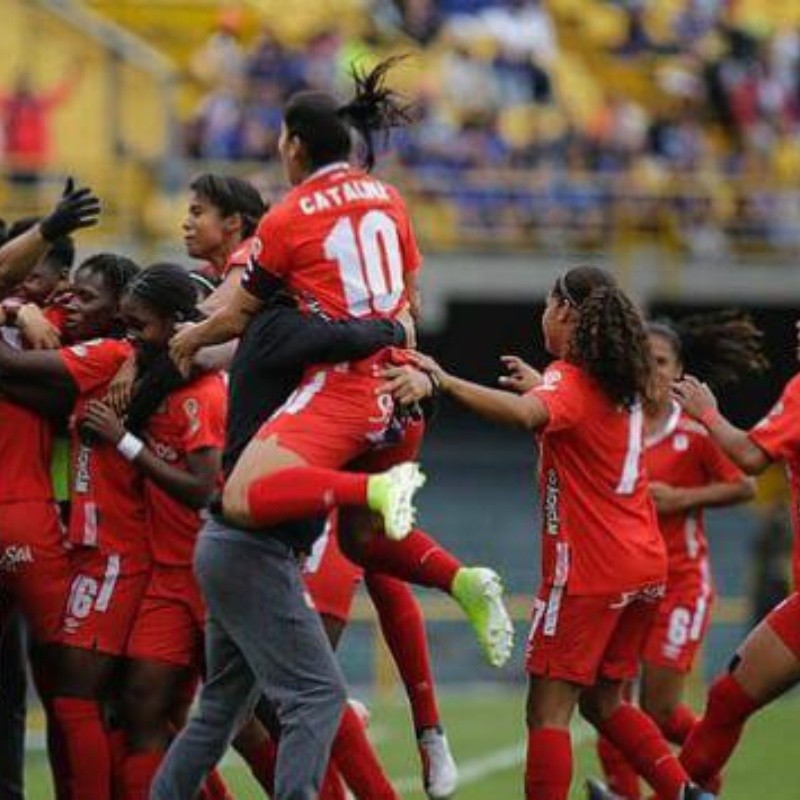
[78, 208]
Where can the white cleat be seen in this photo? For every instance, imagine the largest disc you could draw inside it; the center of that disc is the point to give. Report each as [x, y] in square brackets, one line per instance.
[391, 494]
[439, 770]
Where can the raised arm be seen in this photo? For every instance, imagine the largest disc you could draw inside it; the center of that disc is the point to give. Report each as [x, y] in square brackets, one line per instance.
[78, 208]
[699, 401]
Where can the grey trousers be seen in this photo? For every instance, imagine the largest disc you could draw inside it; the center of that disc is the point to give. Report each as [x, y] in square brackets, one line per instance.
[261, 637]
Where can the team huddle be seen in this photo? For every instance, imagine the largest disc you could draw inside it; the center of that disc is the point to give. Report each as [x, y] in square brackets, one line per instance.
[242, 443]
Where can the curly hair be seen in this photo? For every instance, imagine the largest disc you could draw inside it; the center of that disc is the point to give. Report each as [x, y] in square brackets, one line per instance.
[609, 340]
[720, 347]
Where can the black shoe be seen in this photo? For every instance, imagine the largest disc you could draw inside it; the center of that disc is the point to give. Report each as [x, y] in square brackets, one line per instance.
[693, 792]
[597, 790]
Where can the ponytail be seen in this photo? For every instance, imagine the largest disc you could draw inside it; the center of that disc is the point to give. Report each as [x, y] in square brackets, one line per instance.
[720, 347]
[324, 127]
[374, 107]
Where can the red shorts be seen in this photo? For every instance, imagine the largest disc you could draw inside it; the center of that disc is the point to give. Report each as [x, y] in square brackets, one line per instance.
[104, 600]
[580, 638]
[170, 621]
[784, 620]
[332, 417]
[680, 624]
[331, 579]
[35, 569]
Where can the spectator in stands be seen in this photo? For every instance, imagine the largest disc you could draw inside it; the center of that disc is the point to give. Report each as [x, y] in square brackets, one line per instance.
[219, 124]
[221, 59]
[270, 62]
[261, 120]
[27, 119]
[468, 85]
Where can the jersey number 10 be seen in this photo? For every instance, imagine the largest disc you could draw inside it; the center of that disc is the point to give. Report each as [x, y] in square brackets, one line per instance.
[370, 263]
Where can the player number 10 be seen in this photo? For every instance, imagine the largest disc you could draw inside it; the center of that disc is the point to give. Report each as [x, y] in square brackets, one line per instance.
[370, 262]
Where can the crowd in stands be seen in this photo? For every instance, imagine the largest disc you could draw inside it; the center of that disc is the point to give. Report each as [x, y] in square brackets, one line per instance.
[506, 145]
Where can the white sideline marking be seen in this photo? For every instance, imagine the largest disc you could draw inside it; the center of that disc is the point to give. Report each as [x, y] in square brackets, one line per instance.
[476, 769]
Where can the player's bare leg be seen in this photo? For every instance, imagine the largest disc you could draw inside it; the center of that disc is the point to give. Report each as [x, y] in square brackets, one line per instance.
[272, 484]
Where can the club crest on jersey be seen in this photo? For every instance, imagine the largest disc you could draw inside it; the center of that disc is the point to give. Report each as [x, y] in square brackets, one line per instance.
[550, 380]
[680, 443]
[192, 410]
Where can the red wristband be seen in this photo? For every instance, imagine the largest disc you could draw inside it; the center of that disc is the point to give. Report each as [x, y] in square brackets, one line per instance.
[710, 416]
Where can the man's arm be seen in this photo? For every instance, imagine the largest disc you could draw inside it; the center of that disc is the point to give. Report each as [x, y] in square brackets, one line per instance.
[286, 338]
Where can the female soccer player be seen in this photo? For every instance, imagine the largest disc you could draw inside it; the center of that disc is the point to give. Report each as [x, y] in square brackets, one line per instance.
[341, 242]
[768, 662]
[180, 461]
[603, 560]
[109, 558]
[688, 473]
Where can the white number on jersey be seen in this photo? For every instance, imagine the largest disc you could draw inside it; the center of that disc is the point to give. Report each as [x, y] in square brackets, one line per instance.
[370, 263]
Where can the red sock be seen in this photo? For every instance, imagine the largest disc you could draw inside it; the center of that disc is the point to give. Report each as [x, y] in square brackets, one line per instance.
[621, 777]
[214, 787]
[300, 492]
[641, 743]
[88, 753]
[118, 747]
[403, 628]
[137, 772]
[261, 760]
[548, 768]
[354, 758]
[715, 736]
[678, 727]
[416, 559]
[57, 754]
[332, 788]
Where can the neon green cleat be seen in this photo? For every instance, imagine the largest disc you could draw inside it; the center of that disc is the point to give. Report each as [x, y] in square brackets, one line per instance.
[479, 592]
[391, 494]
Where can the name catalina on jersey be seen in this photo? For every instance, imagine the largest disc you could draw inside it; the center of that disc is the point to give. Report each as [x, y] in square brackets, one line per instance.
[338, 196]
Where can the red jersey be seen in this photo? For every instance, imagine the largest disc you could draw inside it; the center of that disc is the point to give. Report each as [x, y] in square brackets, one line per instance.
[190, 419]
[599, 528]
[341, 241]
[106, 490]
[683, 454]
[26, 448]
[778, 435]
[238, 259]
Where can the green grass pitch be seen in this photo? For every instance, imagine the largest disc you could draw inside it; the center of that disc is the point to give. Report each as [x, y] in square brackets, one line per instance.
[487, 735]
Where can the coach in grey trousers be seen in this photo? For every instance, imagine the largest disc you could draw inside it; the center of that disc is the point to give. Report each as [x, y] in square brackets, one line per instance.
[261, 637]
